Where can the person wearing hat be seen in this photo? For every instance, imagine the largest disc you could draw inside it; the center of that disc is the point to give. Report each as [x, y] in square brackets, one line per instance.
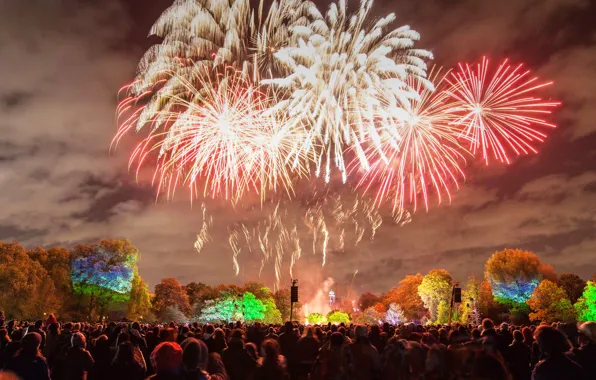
[585, 355]
[29, 363]
[79, 362]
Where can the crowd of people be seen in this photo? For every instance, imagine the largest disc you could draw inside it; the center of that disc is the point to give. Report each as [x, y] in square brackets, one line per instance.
[235, 351]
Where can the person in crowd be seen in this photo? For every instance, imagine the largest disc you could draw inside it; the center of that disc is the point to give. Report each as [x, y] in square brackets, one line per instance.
[29, 363]
[78, 361]
[307, 351]
[102, 357]
[556, 365]
[288, 342]
[198, 363]
[166, 361]
[37, 328]
[519, 357]
[395, 362]
[238, 362]
[272, 366]
[585, 354]
[487, 366]
[125, 366]
[360, 359]
[51, 319]
[377, 339]
[329, 360]
[12, 346]
[528, 336]
[439, 364]
[217, 342]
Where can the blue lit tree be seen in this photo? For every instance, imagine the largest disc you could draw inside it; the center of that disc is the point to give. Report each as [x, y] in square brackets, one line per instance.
[103, 273]
[513, 275]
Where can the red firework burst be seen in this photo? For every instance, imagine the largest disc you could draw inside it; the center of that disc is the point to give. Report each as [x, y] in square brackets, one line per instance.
[498, 112]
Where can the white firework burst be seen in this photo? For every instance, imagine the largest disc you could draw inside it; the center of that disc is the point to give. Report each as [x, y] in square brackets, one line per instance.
[348, 81]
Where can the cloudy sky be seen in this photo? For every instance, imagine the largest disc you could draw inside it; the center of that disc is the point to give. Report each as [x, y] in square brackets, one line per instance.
[62, 63]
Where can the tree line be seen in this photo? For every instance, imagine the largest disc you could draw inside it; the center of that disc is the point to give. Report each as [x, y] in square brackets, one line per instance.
[101, 280]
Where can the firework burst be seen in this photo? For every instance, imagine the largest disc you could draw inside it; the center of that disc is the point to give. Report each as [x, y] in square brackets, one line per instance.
[223, 142]
[498, 112]
[424, 154]
[347, 81]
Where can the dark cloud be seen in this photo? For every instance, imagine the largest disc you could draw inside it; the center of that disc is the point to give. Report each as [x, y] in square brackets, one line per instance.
[63, 62]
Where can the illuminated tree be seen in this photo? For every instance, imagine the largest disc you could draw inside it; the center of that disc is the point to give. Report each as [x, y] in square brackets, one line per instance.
[282, 301]
[395, 314]
[573, 285]
[225, 309]
[198, 292]
[338, 317]
[406, 296]
[252, 309]
[102, 274]
[173, 314]
[370, 316]
[27, 291]
[434, 288]
[367, 300]
[139, 305]
[170, 293]
[442, 312]
[549, 303]
[259, 289]
[272, 314]
[586, 304]
[470, 294]
[316, 318]
[380, 308]
[513, 275]
[56, 261]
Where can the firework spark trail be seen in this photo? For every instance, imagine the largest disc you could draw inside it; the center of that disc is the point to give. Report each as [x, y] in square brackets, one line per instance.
[498, 112]
[204, 236]
[234, 244]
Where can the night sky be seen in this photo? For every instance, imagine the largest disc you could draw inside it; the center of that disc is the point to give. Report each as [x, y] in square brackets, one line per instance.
[62, 63]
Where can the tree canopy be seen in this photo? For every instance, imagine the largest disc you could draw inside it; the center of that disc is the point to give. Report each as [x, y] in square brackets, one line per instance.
[434, 288]
[573, 285]
[406, 296]
[513, 275]
[549, 303]
[586, 304]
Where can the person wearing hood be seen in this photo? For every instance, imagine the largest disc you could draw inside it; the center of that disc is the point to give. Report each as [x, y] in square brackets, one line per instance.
[585, 354]
[199, 364]
[29, 363]
[166, 361]
[78, 361]
[238, 362]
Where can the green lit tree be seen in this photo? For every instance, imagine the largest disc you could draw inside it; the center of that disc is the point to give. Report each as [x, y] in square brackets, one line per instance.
[549, 303]
[272, 314]
[316, 318]
[586, 304]
[252, 309]
[224, 309]
[434, 288]
[338, 317]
